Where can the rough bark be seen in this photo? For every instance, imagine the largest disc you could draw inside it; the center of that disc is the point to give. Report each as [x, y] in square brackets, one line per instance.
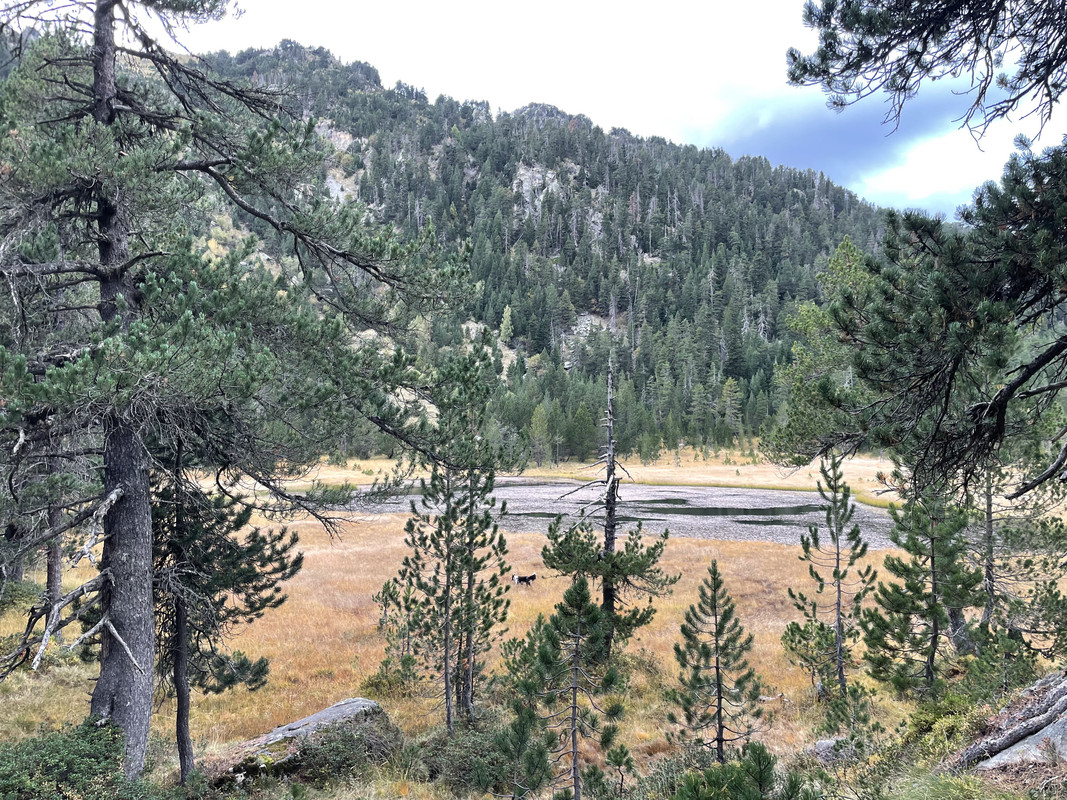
[54, 558]
[54, 582]
[123, 693]
[16, 570]
[611, 502]
[961, 637]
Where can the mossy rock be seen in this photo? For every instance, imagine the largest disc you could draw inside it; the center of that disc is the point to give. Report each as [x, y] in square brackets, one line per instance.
[333, 744]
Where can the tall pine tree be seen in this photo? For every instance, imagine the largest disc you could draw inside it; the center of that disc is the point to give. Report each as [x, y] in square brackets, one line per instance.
[111, 182]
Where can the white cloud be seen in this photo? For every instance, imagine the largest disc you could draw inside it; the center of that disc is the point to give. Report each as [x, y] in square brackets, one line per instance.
[942, 172]
[690, 72]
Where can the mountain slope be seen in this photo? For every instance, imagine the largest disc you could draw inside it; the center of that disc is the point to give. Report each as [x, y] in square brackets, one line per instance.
[682, 261]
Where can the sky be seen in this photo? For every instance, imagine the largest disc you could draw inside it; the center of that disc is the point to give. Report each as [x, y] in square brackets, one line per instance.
[708, 73]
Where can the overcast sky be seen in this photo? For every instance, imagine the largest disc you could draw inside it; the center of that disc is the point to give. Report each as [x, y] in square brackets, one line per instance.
[710, 73]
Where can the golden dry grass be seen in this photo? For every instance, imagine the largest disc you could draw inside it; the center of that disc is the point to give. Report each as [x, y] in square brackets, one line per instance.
[323, 643]
[727, 468]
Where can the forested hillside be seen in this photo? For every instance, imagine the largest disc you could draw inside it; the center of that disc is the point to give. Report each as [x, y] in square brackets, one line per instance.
[682, 262]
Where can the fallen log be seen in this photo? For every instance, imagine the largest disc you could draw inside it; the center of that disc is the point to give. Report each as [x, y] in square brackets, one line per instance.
[1036, 709]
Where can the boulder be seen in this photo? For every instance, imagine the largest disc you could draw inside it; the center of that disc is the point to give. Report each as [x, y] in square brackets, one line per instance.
[285, 749]
[828, 751]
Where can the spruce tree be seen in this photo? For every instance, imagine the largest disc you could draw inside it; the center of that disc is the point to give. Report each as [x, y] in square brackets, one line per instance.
[718, 695]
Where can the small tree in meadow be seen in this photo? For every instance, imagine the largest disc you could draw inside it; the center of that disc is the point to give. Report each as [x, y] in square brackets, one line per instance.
[718, 695]
[833, 566]
[907, 632]
[452, 575]
[573, 679]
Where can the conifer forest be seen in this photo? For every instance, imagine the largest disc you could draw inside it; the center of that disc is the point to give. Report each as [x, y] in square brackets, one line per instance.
[359, 443]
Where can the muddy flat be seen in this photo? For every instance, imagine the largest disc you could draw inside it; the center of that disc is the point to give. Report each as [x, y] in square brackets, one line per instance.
[700, 512]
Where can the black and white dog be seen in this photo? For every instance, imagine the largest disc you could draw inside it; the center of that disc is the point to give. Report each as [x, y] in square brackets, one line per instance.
[523, 580]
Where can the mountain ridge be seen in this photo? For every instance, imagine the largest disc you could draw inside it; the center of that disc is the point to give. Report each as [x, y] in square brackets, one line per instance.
[698, 258]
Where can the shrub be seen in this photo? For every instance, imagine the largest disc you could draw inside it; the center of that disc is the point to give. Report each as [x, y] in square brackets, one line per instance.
[347, 750]
[82, 763]
[19, 595]
[469, 760]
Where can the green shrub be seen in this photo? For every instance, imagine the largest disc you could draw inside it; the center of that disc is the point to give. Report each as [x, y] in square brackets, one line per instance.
[397, 677]
[468, 761]
[347, 750]
[82, 763]
[665, 777]
[952, 787]
[928, 714]
[752, 776]
[19, 595]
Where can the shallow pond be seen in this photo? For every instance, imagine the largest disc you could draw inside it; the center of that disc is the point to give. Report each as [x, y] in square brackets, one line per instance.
[704, 512]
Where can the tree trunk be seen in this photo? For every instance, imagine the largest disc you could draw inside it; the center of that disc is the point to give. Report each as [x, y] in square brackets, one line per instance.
[720, 721]
[611, 501]
[957, 630]
[181, 691]
[54, 560]
[446, 623]
[16, 570]
[989, 583]
[935, 622]
[470, 622]
[180, 646]
[123, 693]
[576, 670]
[839, 600]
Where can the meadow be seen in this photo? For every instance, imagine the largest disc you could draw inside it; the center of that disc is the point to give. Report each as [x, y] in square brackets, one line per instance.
[323, 643]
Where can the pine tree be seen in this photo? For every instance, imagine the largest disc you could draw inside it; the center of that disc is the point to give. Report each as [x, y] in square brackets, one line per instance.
[573, 677]
[525, 742]
[198, 608]
[718, 696]
[907, 632]
[452, 573]
[540, 441]
[623, 573]
[111, 182]
[839, 555]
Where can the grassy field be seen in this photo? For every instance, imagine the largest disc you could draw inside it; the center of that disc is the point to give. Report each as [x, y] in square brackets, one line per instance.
[323, 642]
[689, 468]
